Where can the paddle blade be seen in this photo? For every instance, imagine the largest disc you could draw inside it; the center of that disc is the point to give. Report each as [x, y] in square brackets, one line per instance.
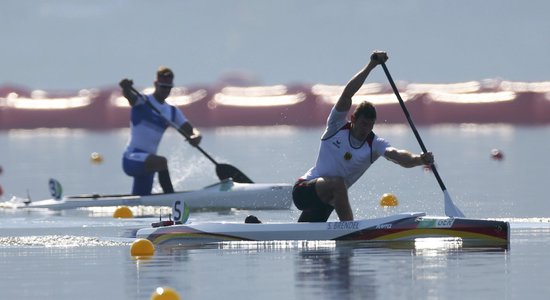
[450, 208]
[225, 171]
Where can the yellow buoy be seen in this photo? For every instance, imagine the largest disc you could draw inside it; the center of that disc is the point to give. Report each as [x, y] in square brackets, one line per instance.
[123, 212]
[165, 293]
[96, 158]
[388, 200]
[142, 247]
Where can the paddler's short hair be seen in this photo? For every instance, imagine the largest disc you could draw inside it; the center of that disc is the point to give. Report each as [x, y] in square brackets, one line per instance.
[365, 109]
[165, 77]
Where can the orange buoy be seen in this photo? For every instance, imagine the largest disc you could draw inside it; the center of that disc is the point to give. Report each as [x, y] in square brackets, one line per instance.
[142, 247]
[388, 200]
[123, 212]
[165, 293]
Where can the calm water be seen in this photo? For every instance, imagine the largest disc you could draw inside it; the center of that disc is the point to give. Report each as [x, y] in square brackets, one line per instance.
[85, 254]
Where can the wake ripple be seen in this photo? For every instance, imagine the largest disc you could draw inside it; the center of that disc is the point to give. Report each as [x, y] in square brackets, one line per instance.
[58, 241]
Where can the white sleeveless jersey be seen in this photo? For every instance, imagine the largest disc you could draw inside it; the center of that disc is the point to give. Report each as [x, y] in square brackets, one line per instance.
[343, 156]
[147, 127]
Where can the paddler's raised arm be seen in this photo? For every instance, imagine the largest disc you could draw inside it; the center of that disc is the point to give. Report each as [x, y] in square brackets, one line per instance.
[344, 103]
[127, 91]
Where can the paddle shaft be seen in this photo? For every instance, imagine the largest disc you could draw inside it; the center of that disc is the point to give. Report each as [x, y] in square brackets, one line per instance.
[418, 138]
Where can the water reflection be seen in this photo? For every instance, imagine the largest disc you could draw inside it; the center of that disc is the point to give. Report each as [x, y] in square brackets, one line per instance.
[331, 274]
[311, 269]
[377, 271]
[147, 273]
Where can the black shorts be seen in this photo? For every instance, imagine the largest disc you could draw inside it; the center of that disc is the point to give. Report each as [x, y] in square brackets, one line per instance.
[306, 199]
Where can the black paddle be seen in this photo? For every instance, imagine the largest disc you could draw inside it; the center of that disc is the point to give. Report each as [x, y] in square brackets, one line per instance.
[450, 209]
[224, 171]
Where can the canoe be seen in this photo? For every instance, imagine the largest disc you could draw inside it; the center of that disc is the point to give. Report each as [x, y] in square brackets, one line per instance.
[403, 227]
[222, 195]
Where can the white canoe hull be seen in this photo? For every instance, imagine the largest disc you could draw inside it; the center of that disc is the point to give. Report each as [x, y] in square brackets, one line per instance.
[400, 227]
[223, 195]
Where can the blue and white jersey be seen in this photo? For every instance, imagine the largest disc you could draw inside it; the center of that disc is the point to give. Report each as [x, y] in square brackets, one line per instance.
[341, 155]
[147, 127]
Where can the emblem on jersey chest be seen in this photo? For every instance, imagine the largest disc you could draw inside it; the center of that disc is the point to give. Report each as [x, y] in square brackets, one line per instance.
[347, 156]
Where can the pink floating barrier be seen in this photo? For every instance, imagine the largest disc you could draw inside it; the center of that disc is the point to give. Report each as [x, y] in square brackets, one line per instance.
[262, 105]
[487, 101]
[42, 109]
[539, 91]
